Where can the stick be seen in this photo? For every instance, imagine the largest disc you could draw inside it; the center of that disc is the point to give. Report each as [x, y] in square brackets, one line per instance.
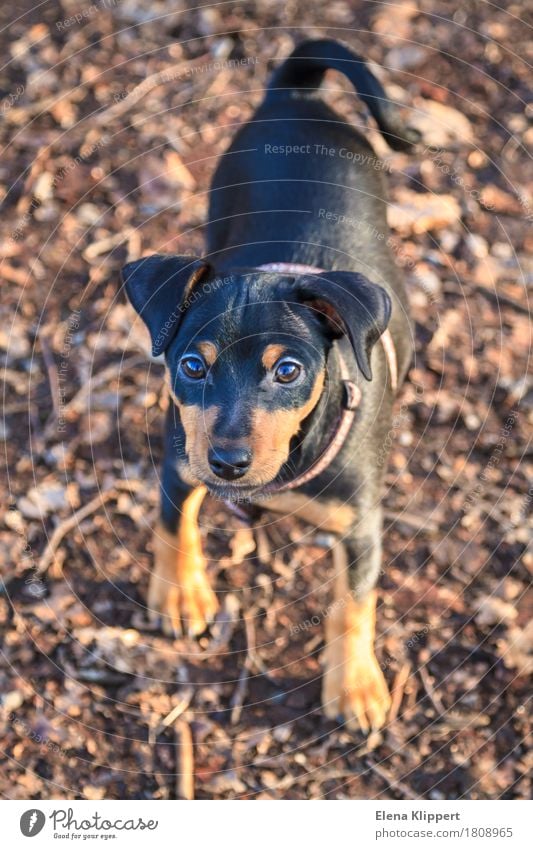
[68, 525]
[53, 379]
[178, 71]
[177, 711]
[430, 692]
[419, 523]
[499, 298]
[346, 775]
[398, 689]
[237, 700]
[77, 403]
[19, 276]
[396, 785]
[185, 761]
[104, 246]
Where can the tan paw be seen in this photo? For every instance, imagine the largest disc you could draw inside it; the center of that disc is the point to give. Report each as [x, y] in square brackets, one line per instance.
[183, 599]
[355, 689]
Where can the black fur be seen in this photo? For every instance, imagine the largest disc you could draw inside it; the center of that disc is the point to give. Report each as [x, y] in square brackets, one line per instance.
[155, 286]
[304, 70]
[324, 205]
[361, 309]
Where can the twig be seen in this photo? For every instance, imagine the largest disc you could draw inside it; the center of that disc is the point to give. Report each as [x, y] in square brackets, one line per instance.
[68, 525]
[170, 74]
[262, 546]
[185, 761]
[223, 627]
[104, 246]
[77, 403]
[53, 378]
[19, 276]
[252, 661]
[18, 406]
[20, 115]
[499, 298]
[178, 709]
[346, 775]
[239, 695]
[156, 728]
[396, 785]
[419, 523]
[430, 692]
[398, 690]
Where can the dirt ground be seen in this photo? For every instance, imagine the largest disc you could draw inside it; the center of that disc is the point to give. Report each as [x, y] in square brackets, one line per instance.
[113, 115]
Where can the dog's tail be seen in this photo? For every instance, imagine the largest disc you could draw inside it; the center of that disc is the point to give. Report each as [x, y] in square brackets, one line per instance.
[305, 68]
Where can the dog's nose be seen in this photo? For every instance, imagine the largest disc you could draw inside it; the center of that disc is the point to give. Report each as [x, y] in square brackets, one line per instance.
[229, 463]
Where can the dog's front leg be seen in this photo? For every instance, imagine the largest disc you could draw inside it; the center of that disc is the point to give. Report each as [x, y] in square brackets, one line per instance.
[354, 687]
[179, 589]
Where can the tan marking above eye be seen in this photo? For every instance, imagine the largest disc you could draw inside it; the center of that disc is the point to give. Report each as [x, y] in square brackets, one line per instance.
[208, 351]
[271, 355]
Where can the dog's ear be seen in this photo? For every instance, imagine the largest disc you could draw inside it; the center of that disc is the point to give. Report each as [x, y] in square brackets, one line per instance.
[158, 287]
[352, 305]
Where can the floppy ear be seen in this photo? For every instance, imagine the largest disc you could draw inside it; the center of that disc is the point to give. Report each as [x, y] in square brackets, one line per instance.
[350, 304]
[158, 287]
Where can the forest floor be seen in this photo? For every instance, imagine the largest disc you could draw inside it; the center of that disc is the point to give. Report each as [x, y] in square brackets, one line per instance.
[113, 117]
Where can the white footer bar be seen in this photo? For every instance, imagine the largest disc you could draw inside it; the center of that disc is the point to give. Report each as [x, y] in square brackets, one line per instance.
[230, 825]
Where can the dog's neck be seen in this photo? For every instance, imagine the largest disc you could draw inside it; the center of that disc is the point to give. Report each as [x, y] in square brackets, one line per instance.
[322, 418]
[332, 415]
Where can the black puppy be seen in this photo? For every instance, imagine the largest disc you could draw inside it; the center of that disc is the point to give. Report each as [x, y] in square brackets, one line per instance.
[280, 395]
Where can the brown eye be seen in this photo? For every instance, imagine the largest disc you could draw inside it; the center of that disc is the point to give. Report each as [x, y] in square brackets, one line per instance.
[287, 371]
[193, 367]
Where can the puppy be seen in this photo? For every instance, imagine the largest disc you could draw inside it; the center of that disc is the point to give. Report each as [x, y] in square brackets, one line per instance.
[284, 348]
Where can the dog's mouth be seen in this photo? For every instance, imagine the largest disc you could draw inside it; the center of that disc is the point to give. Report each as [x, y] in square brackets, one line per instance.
[251, 485]
[234, 492]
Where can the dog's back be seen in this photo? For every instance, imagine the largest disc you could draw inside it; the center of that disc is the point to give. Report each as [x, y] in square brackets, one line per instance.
[302, 185]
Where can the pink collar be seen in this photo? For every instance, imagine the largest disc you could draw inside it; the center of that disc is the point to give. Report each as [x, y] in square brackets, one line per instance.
[351, 400]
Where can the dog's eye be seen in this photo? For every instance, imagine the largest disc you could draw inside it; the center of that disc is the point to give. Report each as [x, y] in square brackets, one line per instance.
[287, 371]
[193, 367]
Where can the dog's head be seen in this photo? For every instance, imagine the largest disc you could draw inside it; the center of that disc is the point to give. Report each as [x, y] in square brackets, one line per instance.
[246, 356]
